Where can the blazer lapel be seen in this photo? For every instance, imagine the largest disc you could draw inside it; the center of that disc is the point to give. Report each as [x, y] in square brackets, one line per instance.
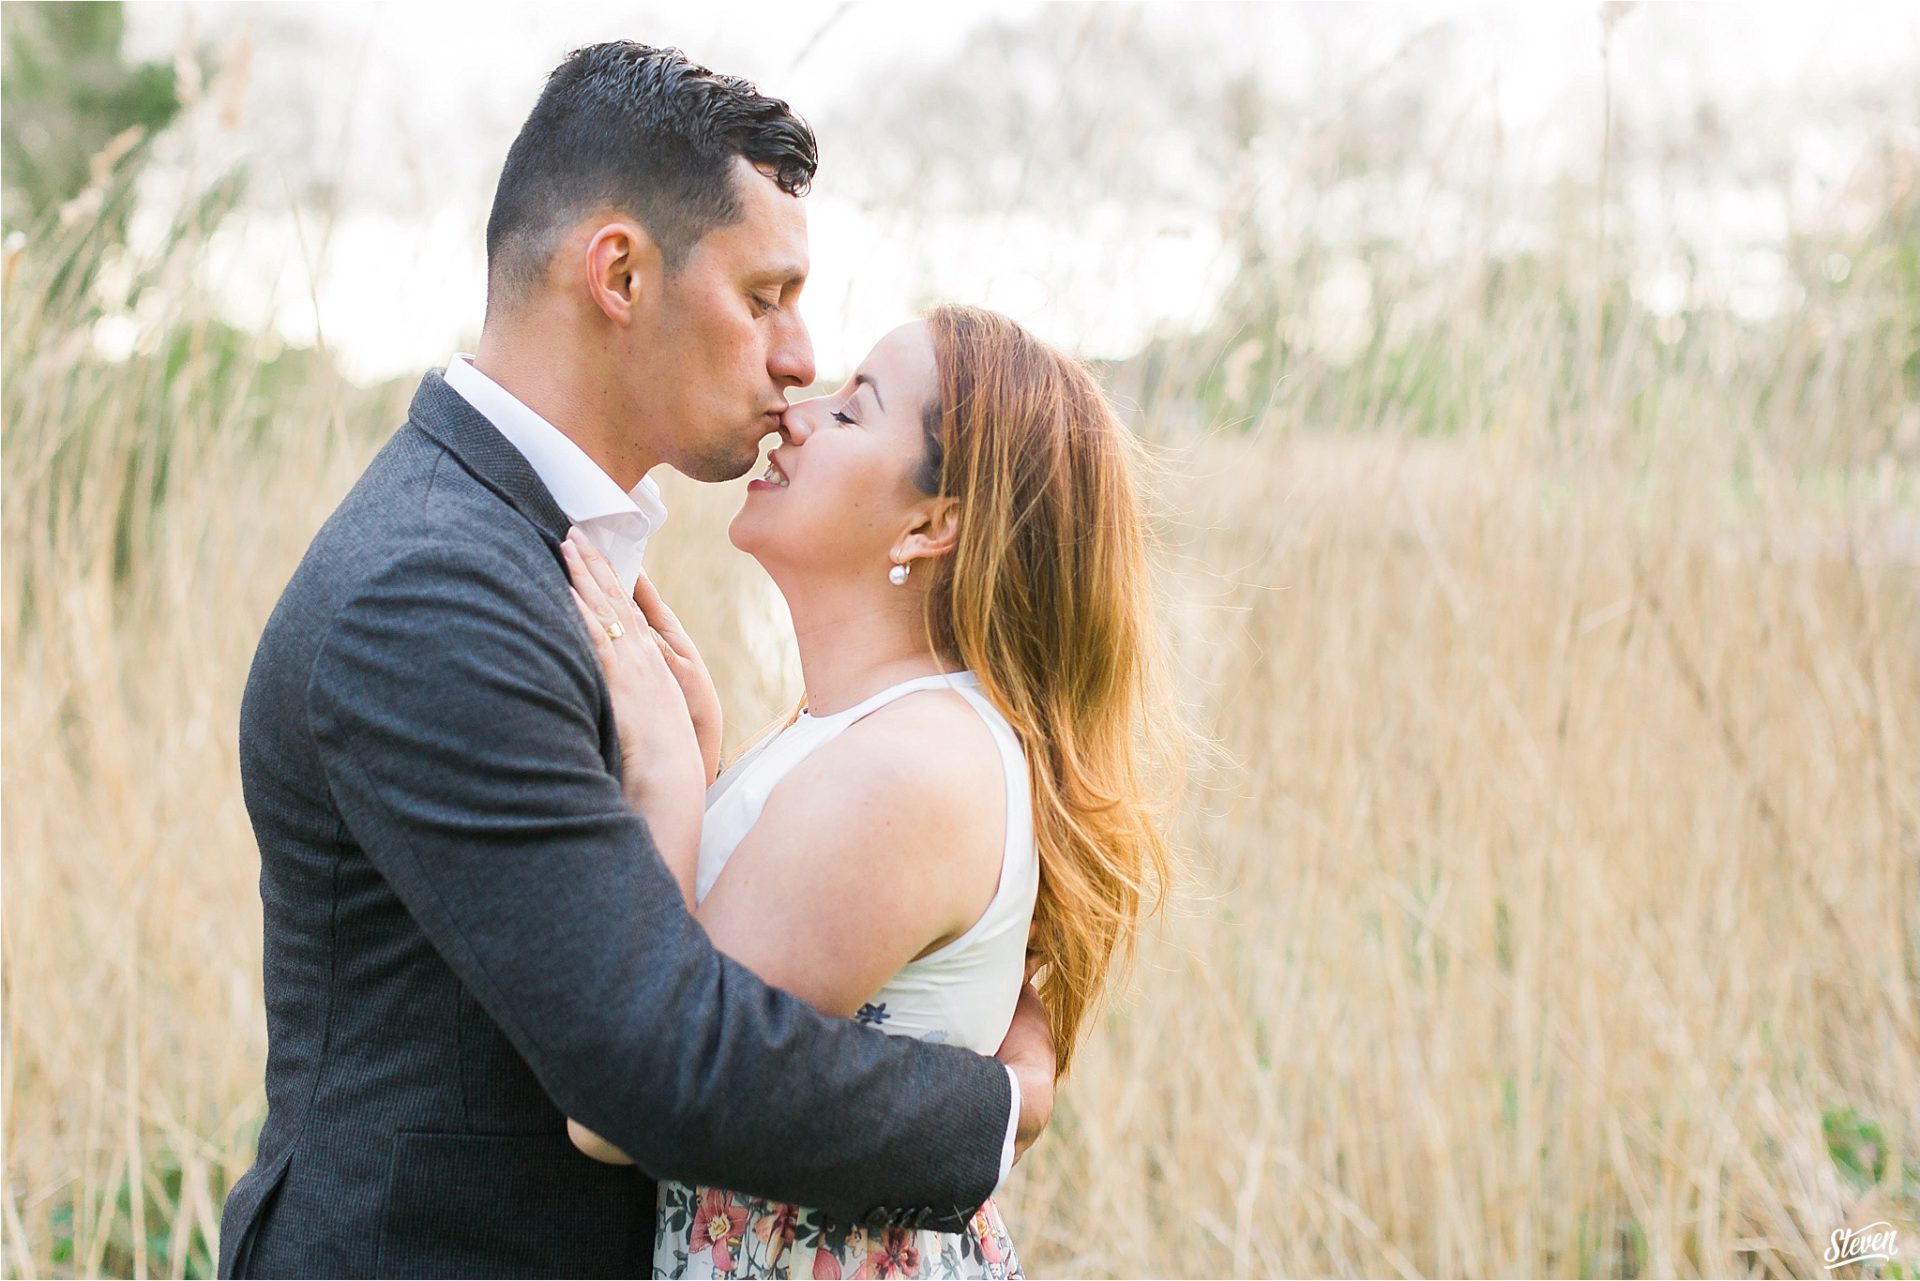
[449, 418]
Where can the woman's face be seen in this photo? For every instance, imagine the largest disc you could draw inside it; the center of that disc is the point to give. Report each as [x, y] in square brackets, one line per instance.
[839, 495]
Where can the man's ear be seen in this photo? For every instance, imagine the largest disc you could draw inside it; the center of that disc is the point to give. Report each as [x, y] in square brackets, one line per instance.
[935, 531]
[623, 267]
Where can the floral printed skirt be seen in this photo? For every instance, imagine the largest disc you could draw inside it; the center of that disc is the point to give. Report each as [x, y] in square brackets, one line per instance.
[705, 1232]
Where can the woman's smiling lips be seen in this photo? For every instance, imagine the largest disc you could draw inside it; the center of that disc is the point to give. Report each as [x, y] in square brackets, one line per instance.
[772, 478]
[776, 421]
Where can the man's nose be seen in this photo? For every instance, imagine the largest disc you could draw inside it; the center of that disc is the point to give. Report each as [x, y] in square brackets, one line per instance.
[790, 360]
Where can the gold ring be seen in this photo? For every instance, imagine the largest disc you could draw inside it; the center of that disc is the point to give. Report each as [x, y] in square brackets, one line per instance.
[615, 631]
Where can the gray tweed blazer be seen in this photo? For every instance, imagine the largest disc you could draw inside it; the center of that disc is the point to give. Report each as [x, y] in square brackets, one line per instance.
[469, 937]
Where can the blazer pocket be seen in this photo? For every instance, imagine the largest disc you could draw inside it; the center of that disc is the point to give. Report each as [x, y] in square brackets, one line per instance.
[245, 1213]
[515, 1205]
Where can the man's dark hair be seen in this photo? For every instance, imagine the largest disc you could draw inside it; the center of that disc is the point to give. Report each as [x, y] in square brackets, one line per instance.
[648, 132]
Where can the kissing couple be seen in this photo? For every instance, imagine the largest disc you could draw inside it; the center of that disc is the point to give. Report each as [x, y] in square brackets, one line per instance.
[547, 992]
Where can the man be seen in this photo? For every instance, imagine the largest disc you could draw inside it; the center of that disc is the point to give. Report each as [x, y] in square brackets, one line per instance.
[469, 937]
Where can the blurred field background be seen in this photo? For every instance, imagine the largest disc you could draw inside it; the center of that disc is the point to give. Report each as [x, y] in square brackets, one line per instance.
[1542, 541]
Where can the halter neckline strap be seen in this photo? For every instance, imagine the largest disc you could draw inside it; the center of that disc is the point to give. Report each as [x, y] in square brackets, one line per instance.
[935, 681]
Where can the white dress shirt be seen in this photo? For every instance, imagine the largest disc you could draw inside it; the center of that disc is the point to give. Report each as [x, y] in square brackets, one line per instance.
[618, 524]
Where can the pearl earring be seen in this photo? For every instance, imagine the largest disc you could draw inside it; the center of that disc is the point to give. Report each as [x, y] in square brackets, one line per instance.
[897, 575]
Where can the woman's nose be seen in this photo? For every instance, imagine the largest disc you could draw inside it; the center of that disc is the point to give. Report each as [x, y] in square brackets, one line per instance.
[794, 427]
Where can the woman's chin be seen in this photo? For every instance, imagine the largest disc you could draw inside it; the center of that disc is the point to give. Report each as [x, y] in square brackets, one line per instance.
[746, 531]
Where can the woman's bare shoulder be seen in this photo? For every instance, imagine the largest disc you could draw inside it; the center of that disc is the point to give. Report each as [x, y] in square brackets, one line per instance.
[931, 741]
[907, 808]
[923, 765]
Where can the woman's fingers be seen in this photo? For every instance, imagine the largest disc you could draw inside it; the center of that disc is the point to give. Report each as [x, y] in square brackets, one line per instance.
[604, 648]
[648, 598]
[597, 566]
[594, 579]
[596, 629]
[607, 609]
[581, 573]
[679, 646]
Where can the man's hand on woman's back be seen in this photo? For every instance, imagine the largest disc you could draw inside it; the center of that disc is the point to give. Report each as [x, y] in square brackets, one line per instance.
[1028, 1050]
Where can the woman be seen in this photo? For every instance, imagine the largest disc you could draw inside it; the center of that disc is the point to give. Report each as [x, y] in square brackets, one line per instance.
[965, 795]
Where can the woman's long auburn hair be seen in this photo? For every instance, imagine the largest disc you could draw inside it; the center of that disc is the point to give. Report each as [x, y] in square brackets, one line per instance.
[1048, 598]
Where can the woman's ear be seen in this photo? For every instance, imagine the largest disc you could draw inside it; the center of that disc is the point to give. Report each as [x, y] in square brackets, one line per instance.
[935, 531]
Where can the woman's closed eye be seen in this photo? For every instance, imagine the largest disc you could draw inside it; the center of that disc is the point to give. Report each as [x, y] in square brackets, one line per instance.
[841, 416]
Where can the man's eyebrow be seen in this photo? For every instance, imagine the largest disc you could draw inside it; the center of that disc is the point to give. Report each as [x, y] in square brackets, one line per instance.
[863, 380]
[785, 273]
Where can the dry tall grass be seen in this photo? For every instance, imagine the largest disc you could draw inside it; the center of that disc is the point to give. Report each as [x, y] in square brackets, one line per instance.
[1555, 898]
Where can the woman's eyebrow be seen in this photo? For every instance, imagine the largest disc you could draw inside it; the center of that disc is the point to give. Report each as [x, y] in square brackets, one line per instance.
[863, 380]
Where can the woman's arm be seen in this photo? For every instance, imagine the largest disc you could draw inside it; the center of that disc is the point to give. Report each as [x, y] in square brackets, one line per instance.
[889, 826]
[656, 731]
[879, 847]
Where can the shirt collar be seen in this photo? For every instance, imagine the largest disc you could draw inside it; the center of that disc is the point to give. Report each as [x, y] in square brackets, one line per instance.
[583, 491]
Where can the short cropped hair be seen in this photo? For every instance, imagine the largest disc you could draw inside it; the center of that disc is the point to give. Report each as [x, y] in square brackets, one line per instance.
[648, 132]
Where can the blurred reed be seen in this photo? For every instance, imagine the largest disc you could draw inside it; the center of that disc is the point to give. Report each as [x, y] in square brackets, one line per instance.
[1553, 897]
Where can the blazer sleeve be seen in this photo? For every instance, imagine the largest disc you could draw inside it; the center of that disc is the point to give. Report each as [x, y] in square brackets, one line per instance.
[458, 710]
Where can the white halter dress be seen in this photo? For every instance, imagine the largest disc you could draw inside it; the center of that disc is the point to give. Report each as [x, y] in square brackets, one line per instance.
[962, 994]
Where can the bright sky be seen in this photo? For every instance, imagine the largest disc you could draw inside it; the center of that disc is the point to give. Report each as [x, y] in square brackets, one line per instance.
[406, 110]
